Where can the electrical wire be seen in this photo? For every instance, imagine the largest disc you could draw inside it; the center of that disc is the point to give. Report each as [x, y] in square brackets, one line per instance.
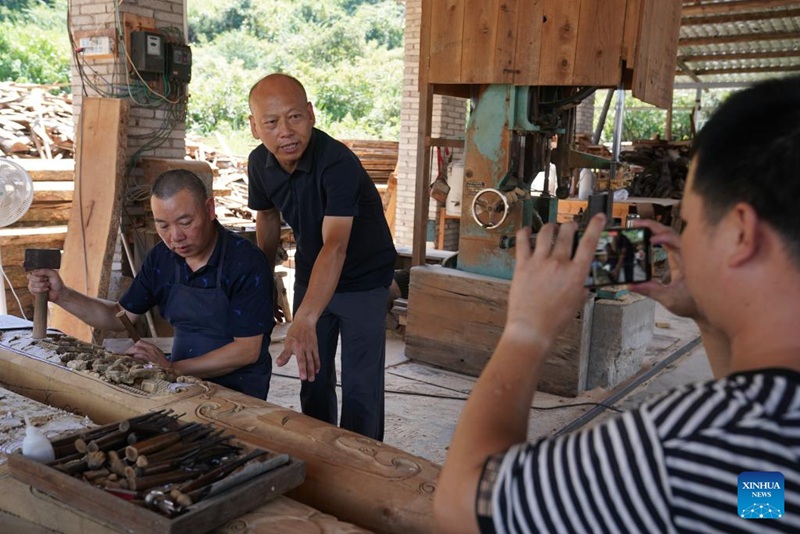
[171, 102]
[464, 398]
[127, 82]
[13, 292]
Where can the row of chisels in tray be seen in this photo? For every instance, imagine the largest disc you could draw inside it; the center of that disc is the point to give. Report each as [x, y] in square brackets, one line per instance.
[159, 462]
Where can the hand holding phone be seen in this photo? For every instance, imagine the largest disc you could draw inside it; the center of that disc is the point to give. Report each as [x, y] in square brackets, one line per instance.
[622, 256]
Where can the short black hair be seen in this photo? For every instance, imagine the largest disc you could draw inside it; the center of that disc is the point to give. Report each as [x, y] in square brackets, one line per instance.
[169, 183]
[749, 151]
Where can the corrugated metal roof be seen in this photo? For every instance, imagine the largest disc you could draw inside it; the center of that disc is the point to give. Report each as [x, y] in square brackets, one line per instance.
[735, 42]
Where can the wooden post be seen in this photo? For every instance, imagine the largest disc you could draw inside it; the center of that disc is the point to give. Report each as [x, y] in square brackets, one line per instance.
[668, 127]
[421, 198]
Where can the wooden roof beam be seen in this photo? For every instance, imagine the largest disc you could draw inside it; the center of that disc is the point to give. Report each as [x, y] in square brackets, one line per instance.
[744, 70]
[738, 56]
[742, 38]
[684, 69]
[734, 6]
[726, 18]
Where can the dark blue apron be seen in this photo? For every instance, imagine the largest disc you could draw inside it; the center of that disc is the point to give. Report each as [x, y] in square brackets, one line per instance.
[199, 317]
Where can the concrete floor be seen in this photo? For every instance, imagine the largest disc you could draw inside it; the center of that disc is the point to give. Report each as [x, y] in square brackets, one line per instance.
[423, 403]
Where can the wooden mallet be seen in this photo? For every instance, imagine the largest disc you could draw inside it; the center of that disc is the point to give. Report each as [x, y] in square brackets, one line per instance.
[41, 258]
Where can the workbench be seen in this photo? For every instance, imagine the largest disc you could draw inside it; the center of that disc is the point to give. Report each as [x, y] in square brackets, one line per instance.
[356, 479]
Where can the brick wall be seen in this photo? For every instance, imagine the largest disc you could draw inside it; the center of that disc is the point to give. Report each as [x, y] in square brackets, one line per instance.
[108, 76]
[584, 116]
[448, 120]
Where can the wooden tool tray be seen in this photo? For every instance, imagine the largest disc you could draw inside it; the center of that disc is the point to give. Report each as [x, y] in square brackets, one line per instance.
[129, 516]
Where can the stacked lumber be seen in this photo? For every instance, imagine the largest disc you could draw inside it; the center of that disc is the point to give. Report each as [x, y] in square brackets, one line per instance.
[664, 166]
[44, 225]
[229, 182]
[230, 174]
[52, 192]
[379, 158]
[37, 131]
[35, 122]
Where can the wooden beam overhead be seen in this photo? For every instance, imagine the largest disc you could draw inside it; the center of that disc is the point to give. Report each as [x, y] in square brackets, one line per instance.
[739, 56]
[683, 68]
[747, 70]
[726, 18]
[741, 38]
[734, 6]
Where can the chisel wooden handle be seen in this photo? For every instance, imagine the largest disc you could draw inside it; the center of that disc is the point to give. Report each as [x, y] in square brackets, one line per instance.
[132, 333]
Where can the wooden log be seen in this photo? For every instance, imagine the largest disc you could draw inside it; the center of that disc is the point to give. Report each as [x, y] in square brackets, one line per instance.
[45, 213]
[25, 298]
[50, 170]
[368, 483]
[16, 275]
[13, 242]
[455, 320]
[53, 191]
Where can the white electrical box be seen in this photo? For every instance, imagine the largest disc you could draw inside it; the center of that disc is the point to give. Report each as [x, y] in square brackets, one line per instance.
[96, 46]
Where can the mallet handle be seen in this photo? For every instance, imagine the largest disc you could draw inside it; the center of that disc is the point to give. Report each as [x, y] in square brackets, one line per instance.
[40, 316]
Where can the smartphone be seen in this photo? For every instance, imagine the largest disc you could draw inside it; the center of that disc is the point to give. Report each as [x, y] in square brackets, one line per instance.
[622, 256]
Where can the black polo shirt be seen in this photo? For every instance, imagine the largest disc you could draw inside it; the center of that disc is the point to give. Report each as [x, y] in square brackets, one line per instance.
[329, 180]
[246, 280]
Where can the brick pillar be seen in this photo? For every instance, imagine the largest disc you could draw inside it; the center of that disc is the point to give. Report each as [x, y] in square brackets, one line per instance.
[153, 123]
[448, 120]
[584, 117]
[107, 76]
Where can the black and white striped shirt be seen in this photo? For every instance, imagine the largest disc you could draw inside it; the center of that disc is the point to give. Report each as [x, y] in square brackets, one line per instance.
[672, 465]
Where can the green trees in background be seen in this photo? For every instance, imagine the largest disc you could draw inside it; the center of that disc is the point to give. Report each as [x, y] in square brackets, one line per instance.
[34, 46]
[348, 54]
[643, 121]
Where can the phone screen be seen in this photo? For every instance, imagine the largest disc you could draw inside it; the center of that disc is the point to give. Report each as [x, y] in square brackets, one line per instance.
[622, 256]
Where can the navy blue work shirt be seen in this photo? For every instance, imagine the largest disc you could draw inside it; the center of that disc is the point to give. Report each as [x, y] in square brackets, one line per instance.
[246, 280]
[329, 180]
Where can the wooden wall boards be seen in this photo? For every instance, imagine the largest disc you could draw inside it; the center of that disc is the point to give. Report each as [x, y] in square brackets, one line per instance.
[551, 42]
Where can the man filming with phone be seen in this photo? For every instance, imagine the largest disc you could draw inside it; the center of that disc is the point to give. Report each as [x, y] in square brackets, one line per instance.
[674, 463]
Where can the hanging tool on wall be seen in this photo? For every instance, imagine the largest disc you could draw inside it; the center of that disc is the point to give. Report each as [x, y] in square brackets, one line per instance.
[440, 188]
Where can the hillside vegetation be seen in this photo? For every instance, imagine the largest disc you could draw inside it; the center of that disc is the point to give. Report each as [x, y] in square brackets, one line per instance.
[348, 53]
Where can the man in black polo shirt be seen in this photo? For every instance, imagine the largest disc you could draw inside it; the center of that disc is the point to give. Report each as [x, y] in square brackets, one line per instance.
[345, 255]
[214, 288]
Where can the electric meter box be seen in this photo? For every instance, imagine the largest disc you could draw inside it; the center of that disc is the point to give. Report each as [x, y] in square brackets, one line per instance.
[179, 62]
[147, 52]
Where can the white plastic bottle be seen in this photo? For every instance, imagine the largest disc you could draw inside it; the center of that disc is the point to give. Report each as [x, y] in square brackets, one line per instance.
[36, 446]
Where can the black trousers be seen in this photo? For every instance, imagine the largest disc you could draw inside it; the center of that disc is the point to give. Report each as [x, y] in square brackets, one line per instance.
[359, 319]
